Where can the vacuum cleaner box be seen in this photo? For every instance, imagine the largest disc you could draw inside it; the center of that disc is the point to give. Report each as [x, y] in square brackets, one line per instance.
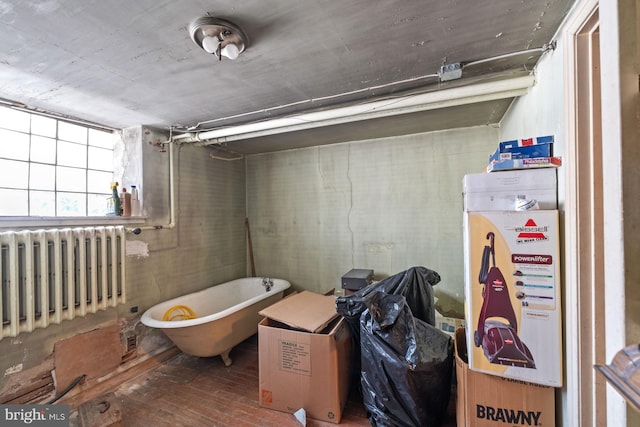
[512, 295]
[304, 357]
[501, 190]
[489, 401]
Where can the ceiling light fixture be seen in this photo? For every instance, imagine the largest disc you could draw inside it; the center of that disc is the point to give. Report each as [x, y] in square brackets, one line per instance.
[445, 98]
[218, 36]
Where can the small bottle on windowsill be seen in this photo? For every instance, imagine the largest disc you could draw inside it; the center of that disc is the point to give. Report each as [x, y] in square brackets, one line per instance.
[113, 202]
[125, 201]
[135, 201]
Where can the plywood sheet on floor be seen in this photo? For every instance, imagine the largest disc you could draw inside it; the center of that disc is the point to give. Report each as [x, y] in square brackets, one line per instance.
[94, 354]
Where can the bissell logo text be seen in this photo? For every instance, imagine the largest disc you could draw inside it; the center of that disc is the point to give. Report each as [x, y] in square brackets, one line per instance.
[531, 232]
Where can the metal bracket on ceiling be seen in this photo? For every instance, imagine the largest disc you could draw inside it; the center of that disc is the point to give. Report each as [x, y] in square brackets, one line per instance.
[450, 72]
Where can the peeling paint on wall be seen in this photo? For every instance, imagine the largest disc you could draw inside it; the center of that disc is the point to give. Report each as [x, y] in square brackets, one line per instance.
[13, 370]
[137, 248]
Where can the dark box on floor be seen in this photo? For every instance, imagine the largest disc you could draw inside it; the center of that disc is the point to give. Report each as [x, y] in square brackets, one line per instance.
[304, 357]
[357, 279]
[485, 400]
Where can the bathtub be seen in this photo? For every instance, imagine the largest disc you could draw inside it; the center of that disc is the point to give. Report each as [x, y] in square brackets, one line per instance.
[227, 314]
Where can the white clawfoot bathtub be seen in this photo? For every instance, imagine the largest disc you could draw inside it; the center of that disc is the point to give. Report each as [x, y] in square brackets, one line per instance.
[226, 315]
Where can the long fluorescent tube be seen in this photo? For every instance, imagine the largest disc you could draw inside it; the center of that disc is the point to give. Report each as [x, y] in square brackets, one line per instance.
[462, 95]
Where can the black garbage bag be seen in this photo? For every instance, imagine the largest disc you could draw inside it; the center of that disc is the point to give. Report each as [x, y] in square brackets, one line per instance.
[415, 284]
[406, 365]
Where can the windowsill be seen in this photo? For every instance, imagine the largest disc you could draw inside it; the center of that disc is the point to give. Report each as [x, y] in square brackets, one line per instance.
[13, 222]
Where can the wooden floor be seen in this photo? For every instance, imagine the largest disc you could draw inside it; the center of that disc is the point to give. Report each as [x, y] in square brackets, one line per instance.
[201, 392]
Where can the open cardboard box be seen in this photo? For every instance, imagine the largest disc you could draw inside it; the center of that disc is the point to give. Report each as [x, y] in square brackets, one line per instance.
[485, 400]
[304, 357]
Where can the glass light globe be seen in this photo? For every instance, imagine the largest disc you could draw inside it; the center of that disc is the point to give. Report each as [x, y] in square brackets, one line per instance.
[210, 44]
[230, 51]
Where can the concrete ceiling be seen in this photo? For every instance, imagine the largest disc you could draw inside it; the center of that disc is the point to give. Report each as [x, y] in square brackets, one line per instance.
[122, 63]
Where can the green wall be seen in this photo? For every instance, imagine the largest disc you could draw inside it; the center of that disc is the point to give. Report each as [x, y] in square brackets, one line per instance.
[383, 204]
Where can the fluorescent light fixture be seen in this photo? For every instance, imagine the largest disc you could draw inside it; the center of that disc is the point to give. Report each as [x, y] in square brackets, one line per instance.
[457, 96]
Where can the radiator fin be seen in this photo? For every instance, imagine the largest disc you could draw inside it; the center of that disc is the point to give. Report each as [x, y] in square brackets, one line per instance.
[48, 276]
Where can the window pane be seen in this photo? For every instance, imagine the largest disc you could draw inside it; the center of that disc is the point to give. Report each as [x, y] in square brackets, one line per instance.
[72, 204]
[71, 179]
[14, 119]
[70, 154]
[43, 203]
[71, 132]
[99, 138]
[99, 158]
[42, 177]
[97, 204]
[13, 202]
[45, 126]
[99, 182]
[14, 174]
[44, 166]
[43, 150]
[14, 145]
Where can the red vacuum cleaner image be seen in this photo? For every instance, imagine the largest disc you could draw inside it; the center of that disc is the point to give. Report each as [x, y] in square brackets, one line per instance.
[497, 331]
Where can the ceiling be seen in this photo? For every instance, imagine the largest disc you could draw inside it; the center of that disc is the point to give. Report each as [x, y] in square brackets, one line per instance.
[122, 63]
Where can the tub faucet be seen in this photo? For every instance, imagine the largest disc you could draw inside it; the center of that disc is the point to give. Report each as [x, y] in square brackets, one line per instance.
[267, 283]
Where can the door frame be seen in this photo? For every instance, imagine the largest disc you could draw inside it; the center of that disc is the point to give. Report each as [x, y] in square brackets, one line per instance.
[594, 282]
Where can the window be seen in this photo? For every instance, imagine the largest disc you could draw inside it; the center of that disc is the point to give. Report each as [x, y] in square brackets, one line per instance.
[51, 167]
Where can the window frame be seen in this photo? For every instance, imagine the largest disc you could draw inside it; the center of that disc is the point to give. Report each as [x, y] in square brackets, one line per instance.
[34, 221]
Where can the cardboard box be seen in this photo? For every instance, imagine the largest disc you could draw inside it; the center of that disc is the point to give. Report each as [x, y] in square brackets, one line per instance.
[304, 357]
[513, 295]
[541, 146]
[490, 401]
[532, 163]
[501, 191]
[521, 152]
[530, 151]
[506, 145]
[498, 156]
[448, 325]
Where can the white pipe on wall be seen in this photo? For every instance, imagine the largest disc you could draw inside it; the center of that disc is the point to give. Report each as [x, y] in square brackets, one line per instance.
[428, 101]
[389, 107]
[172, 212]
